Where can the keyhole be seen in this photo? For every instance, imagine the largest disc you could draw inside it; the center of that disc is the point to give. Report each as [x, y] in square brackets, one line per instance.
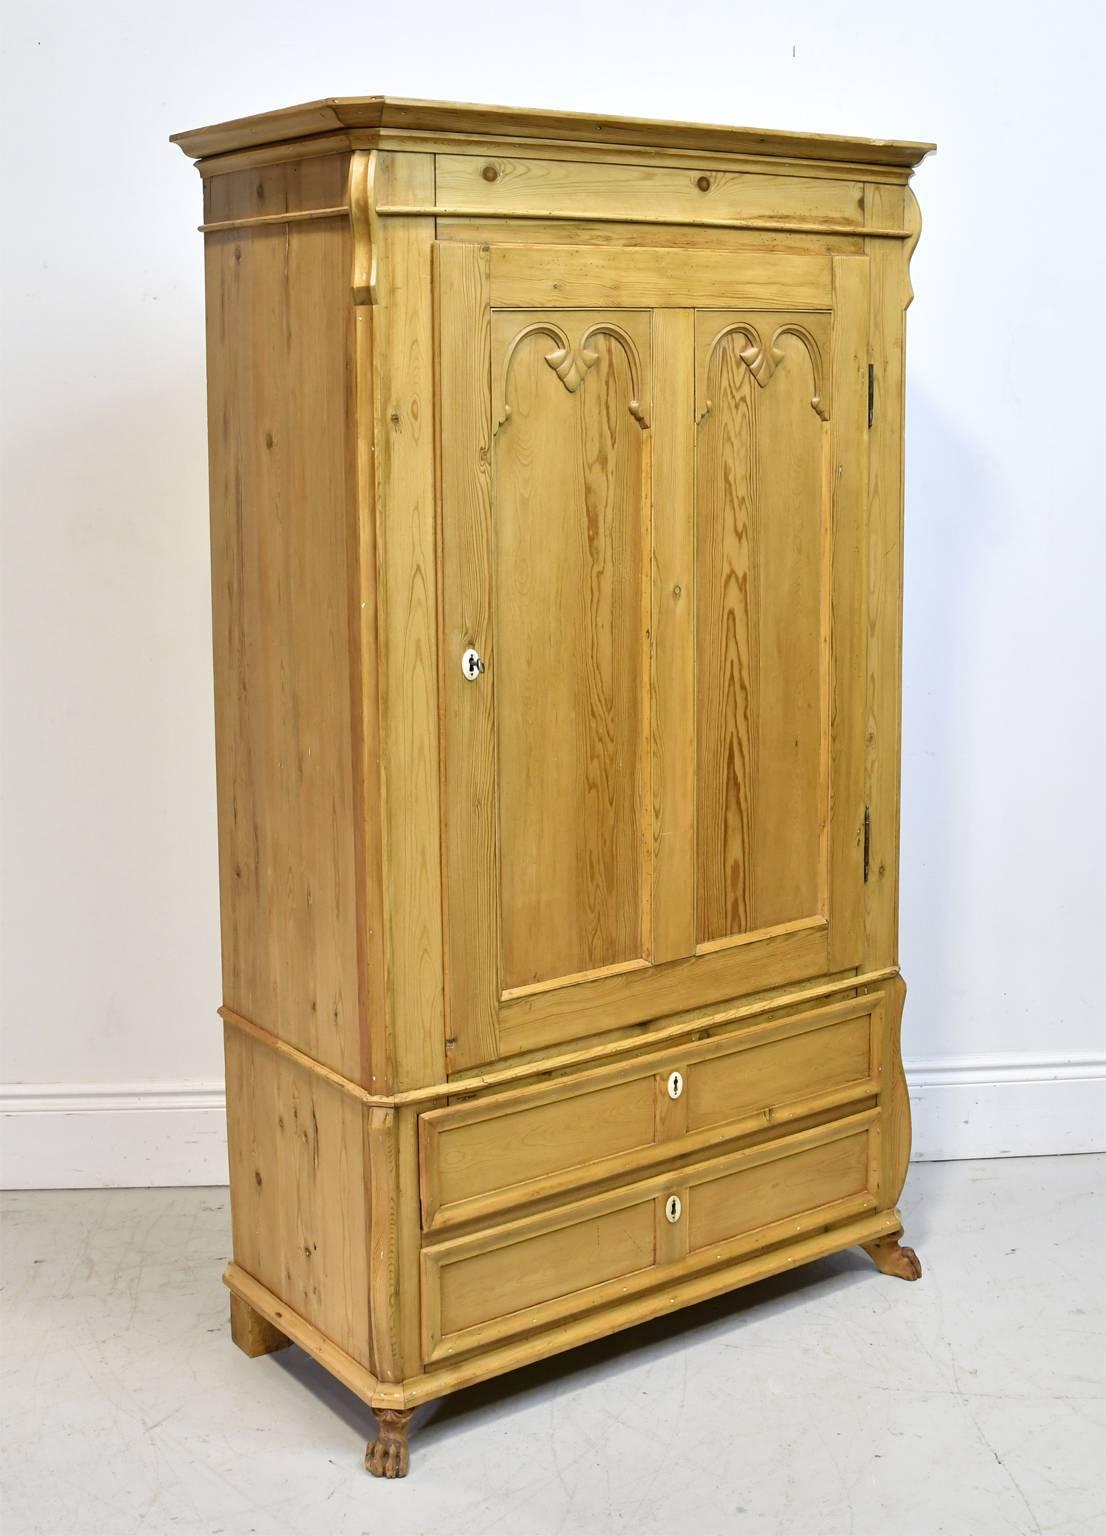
[673, 1208]
[472, 664]
[675, 1085]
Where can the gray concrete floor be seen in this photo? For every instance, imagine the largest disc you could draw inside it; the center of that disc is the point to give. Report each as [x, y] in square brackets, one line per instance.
[833, 1400]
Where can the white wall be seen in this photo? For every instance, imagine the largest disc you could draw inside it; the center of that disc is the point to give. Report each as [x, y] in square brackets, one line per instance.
[110, 940]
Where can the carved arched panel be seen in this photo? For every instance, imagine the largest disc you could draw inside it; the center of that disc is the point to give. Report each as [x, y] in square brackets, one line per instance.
[762, 522]
[570, 541]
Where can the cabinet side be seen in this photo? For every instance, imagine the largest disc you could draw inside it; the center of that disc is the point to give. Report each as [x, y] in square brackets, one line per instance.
[889, 294]
[281, 432]
[290, 731]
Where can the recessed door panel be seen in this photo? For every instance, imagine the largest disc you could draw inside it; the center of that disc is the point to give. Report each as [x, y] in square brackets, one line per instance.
[569, 534]
[762, 621]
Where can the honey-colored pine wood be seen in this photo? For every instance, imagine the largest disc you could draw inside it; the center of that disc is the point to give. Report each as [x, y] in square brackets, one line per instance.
[252, 1332]
[560, 990]
[389, 1455]
[894, 1258]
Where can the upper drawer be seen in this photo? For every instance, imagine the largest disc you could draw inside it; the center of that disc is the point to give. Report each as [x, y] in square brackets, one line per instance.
[488, 185]
[507, 1149]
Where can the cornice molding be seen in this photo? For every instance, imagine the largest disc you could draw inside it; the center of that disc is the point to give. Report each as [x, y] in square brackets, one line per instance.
[337, 114]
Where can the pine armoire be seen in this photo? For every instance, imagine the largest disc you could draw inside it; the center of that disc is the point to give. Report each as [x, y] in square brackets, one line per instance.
[556, 527]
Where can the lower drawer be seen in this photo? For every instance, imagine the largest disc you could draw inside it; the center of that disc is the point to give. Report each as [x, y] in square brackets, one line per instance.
[530, 1274]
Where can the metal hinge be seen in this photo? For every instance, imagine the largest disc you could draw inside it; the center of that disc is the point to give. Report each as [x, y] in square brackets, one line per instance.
[867, 839]
[871, 392]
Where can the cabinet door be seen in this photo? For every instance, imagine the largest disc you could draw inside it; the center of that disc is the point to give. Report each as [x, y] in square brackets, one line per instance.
[652, 475]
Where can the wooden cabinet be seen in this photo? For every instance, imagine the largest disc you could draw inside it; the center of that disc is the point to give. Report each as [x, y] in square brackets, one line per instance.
[556, 495]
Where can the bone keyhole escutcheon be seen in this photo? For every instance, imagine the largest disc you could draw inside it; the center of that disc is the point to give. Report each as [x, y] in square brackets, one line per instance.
[675, 1084]
[673, 1208]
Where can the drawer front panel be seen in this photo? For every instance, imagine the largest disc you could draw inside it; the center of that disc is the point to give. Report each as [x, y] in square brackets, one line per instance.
[482, 1159]
[535, 1272]
[529, 1141]
[539, 1269]
[736, 1203]
[489, 184]
[732, 1084]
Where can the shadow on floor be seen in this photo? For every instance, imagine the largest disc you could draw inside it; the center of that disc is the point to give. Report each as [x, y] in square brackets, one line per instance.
[724, 1314]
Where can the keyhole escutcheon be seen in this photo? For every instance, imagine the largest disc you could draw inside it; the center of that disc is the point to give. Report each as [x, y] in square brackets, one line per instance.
[673, 1208]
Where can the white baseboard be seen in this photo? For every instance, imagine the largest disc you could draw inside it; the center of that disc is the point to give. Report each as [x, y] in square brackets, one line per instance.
[112, 1135]
[71, 1136]
[1012, 1105]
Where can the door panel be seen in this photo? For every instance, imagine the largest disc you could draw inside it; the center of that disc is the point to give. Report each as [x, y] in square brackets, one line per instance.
[763, 450]
[570, 523]
[652, 532]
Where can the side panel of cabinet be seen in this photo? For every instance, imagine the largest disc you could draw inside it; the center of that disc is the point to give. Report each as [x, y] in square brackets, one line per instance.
[281, 433]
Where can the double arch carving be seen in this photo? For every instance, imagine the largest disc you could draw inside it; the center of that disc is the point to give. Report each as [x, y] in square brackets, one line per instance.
[763, 360]
[572, 364]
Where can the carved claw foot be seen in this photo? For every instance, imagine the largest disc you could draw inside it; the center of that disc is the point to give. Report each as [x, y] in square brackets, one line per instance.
[388, 1455]
[893, 1258]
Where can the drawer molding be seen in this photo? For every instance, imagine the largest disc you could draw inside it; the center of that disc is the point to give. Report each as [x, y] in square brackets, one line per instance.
[438, 1345]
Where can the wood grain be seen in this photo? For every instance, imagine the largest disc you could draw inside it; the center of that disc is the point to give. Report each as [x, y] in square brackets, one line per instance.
[503, 186]
[280, 428]
[407, 626]
[605, 1247]
[548, 1140]
[570, 549]
[584, 277]
[297, 1177]
[484, 230]
[889, 294]
[674, 601]
[252, 1332]
[596, 406]
[294, 186]
[377, 112]
[848, 548]
[469, 787]
[731, 1204]
[762, 625]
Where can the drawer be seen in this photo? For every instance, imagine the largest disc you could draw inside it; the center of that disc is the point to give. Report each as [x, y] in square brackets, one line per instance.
[500, 185]
[731, 1084]
[535, 1272]
[502, 1151]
